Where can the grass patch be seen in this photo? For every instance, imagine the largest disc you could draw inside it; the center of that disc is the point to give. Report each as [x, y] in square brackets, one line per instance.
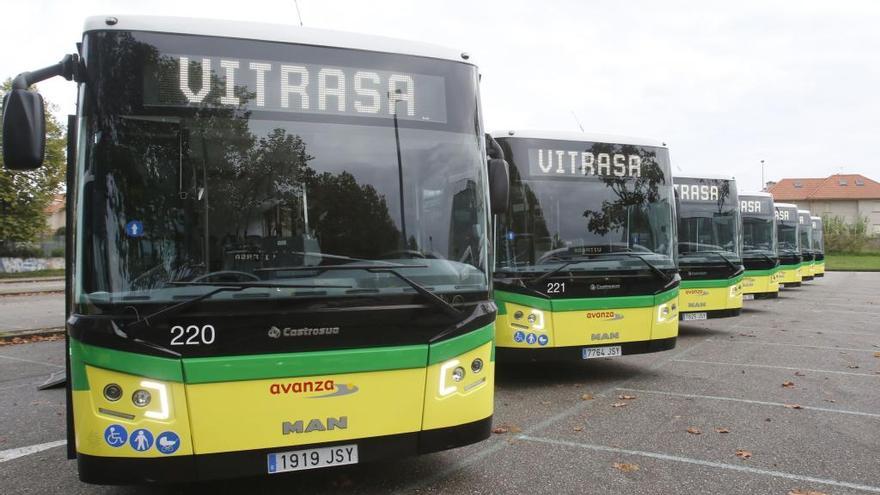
[842, 262]
[36, 274]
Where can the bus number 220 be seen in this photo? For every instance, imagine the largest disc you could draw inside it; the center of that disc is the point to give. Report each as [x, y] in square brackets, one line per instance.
[192, 335]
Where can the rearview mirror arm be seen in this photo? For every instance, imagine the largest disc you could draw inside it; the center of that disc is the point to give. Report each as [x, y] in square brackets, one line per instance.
[69, 68]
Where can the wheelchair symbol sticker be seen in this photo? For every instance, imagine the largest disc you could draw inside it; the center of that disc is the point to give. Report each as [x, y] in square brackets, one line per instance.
[167, 442]
[519, 336]
[115, 435]
[141, 440]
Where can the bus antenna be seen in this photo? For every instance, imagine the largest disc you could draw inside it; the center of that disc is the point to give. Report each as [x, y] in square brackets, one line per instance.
[298, 14]
[576, 119]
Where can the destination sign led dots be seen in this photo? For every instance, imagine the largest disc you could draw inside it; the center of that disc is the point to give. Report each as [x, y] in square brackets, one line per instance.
[141, 398]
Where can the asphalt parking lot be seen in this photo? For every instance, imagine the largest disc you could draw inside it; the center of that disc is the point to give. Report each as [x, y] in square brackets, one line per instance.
[605, 426]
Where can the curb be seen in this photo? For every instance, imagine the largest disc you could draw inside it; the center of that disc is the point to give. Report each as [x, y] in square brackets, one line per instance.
[24, 334]
[30, 280]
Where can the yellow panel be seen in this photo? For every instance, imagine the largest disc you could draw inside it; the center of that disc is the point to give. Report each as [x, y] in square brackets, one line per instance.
[451, 403]
[251, 414]
[760, 284]
[94, 415]
[820, 267]
[711, 299]
[789, 276]
[666, 323]
[506, 327]
[596, 327]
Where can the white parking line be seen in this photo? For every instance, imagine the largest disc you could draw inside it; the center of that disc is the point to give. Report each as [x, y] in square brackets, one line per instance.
[808, 330]
[719, 363]
[831, 348]
[30, 361]
[747, 401]
[8, 455]
[698, 462]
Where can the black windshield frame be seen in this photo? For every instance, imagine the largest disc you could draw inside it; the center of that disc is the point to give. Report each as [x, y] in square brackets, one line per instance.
[448, 267]
[709, 220]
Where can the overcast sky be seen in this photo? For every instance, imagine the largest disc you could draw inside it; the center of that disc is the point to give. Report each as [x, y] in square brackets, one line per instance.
[725, 84]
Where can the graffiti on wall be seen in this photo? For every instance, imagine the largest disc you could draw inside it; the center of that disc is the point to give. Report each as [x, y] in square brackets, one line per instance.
[19, 265]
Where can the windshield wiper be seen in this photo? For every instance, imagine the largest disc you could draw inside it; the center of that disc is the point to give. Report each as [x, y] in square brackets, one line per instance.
[759, 253]
[221, 287]
[386, 268]
[597, 257]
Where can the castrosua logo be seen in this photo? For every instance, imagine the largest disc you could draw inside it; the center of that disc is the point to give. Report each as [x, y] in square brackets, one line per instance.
[275, 332]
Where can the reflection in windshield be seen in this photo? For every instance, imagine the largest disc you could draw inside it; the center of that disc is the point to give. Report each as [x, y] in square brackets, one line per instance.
[805, 232]
[787, 230]
[708, 218]
[580, 212]
[226, 194]
[759, 226]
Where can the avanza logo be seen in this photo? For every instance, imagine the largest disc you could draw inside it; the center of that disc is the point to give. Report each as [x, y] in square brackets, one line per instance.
[604, 315]
[696, 292]
[329, 387]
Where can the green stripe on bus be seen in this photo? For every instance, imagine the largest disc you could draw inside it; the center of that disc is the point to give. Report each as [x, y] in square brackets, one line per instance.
[446, 349]
[289, 365]
[709, 284]
[586, 303]
[761, 273]
[157, 368]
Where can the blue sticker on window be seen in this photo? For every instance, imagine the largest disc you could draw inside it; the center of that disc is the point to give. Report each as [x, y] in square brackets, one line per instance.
[134, 228]
[141, 440]
[510, 235]
[167, 442]
[115, 435]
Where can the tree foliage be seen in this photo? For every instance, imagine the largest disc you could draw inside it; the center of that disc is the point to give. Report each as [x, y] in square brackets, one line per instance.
[843, 237]
[24, 195]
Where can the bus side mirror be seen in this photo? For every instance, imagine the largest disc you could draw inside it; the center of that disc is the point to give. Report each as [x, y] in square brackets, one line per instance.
[499, 185]
[24, 130]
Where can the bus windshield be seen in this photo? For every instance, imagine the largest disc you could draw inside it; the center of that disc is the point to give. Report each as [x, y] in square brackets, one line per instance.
[211, 160]
[818, 237]
[787, 230]
[571, 200]
[805, 232]
[708, 220]
[759, 226]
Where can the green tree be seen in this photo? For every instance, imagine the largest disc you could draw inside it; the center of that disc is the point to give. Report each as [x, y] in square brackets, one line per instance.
[24, 196]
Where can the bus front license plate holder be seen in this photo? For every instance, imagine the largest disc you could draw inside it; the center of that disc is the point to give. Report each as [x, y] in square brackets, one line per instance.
[748, 297]
[600, 352]
[300, 460]
[694, 316]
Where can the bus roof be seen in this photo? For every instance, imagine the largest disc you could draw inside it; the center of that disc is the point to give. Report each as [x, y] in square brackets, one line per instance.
[689, 175]
[805, 212]
[272, 32]
[784, 205]
[591, 137]
[814, 217]
[756, 194]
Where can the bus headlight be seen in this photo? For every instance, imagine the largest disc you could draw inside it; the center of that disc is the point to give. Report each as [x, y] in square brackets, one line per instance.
[162, 391]
[536, 319]
[458, 374]
[445, 389]
[518, 315]
[112, 392]
[477, 365]
[141, 398]
[734, 290]
[663, 312]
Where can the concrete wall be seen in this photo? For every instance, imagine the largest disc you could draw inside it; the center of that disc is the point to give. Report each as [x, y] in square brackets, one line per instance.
[847, 209]
[19, 265]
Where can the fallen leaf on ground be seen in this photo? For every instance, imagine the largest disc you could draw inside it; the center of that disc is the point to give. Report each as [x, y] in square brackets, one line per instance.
[830, 400]
[788, 384]
[794, 406]
[798, 373]
[587, 397]
[625, 467]
[578, 428]
[798, 491]
[721, 429]
[514, 429]
[626, 397]
[853, 366]
[694, 431]
[498, 430]
[743, 454]
[619, 404]
[546, 402]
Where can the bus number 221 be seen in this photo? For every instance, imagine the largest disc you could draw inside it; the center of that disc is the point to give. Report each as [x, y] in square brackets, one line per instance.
[192, 335]
[555, 287]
